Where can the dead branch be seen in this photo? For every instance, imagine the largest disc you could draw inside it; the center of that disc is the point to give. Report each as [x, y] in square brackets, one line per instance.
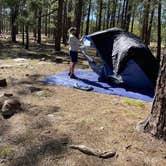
[90, 151]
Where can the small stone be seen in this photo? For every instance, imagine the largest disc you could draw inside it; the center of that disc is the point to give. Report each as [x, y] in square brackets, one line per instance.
[164, 156]
[1, 95]
[42, 93]
[101, 128]
[43, 59]
[51, 115]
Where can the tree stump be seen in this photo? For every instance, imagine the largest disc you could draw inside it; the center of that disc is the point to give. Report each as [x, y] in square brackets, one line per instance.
[3, 83]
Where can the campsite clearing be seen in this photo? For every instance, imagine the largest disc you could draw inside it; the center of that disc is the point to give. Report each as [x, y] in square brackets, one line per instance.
[55, 117]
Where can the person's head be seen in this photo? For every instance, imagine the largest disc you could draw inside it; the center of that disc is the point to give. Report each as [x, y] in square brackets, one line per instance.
[72, 30]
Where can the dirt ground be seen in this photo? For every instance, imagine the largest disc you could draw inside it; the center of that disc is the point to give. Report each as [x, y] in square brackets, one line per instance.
[54, 117]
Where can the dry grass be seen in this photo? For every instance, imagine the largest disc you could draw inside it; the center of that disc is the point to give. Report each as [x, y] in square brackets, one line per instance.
[60, 116]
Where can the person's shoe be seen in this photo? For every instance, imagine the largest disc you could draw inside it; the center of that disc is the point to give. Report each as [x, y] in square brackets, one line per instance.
[69, 73]
[73, 76]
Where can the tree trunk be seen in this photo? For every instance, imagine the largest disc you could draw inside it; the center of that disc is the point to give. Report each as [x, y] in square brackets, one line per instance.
[123, 11]
[118, 19]
[1, 21]
[133, 17]
[100, 14]
[82, 22]
[145, 20]
[128, 15]
[65, 28]
[78, 16]
[108, 14]
[58, 32]
[46, 22]
[113, 13]
[39, 27]
[27, 36]
[150, 27]
[49, 22]
[13, 25]
[104, 18]
[88, 17]
[159, 32]
[35, 25]
[23, 42]
[156, 121]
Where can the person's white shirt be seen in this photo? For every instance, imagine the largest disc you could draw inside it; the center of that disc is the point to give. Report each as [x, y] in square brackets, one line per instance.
[74, 43]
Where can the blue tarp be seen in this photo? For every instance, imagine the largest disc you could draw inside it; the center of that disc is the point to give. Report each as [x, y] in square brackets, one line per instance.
[90, 78]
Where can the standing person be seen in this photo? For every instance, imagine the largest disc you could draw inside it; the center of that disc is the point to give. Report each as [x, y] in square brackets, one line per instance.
[74, 45]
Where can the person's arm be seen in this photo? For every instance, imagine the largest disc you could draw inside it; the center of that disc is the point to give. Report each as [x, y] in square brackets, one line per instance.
[69, 40]
[82, 38]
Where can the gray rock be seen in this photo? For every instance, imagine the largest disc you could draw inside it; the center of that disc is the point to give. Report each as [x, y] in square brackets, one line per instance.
[10, 107]
[42, 93]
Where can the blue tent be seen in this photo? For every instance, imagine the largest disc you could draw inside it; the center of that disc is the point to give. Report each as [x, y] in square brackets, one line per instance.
[126, 60]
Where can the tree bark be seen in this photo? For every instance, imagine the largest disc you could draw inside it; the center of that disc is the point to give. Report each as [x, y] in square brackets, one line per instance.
[123, 11]
[1, 21]
[104, 17]
[119, 15]
[133, 17]
[27, 36]
[14, 13]
[128, 14]
[78, 16]
[156, 121]
[23, 31]
[113, 13]
[35, 25]
[82, 23]
[64, 29]
[39, 27]
[49, 22]
[100, 14]
[159, 32]
[146, 20]
[88, 17]
[150, 27]
[58, 32]
[108, 14]
[46, 23]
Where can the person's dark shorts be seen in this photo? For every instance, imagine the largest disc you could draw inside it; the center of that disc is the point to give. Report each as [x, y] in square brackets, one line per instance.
[73, 56]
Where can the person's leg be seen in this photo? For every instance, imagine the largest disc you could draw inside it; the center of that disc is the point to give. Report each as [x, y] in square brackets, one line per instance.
[73, 56]
[72, 66]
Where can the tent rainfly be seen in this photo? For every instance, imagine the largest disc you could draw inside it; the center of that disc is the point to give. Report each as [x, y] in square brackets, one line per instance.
[125, 58]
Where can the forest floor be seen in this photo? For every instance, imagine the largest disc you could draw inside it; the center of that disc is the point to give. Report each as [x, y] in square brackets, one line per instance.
[55, 117]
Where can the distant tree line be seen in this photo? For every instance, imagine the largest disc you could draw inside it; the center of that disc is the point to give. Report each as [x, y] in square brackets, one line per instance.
[146, 18]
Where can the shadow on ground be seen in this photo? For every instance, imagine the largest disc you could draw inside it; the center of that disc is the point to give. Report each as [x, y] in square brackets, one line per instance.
[44, 52]
[33, 154]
